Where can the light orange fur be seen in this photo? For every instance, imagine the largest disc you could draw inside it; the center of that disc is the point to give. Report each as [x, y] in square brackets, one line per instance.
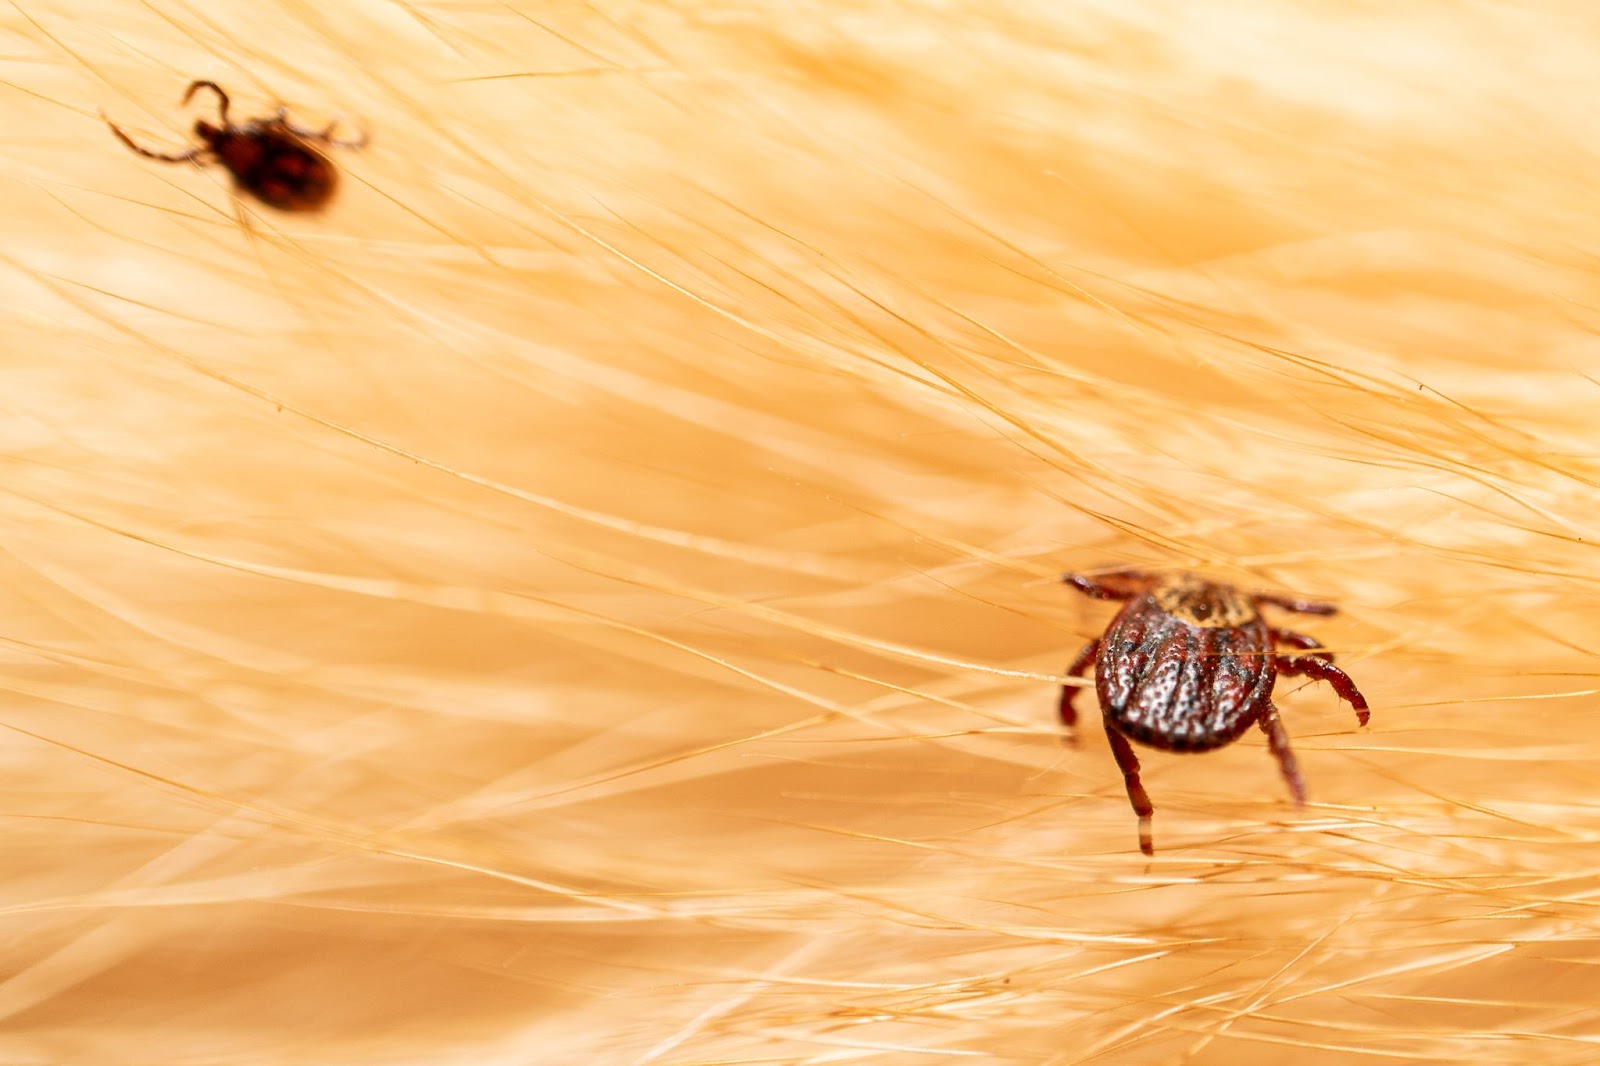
[591, 596]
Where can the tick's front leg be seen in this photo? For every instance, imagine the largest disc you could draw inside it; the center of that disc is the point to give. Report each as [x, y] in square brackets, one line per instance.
[222, 98]
[1322, 670]
[178, 157]
[325, 135]
[1069, 713]
[1290, 603]
[1278, 741]
[1128, 762]
[1117, 585]
[1301, 641]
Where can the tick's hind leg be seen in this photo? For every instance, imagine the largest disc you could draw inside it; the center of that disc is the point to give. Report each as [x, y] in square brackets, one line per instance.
[179, 157]
[1278, 741]
[1069, 713]
[1322, 670]
[1128, 762]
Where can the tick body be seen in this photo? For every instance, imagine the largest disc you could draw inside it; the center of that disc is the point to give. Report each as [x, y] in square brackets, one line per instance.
[268, 157]
[1189, 665]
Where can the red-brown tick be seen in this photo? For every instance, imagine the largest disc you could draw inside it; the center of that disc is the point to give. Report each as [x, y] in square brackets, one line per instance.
[1189, 665]
[267, 157]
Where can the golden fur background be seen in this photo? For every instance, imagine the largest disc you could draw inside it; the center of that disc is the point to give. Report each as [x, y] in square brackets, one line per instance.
[590, 596]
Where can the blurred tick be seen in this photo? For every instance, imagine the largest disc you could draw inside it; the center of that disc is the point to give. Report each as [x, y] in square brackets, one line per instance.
[1189, 665]
[268, 157]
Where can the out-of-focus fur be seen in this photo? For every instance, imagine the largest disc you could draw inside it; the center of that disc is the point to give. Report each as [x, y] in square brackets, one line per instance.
[589, 598]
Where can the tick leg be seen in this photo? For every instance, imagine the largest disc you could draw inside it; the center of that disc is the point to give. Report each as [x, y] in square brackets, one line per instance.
[347, 142]
[1322, 670]
[1290, 603]
[222, 97]
[1128, 762]
[1301, 641]
[1118, 585]
[181, 157]
[325, 135]
[1278, 741]
[1069, 713]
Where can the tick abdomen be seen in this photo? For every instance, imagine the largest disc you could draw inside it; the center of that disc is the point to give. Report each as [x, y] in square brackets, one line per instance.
[1183, 685]
[278, 168]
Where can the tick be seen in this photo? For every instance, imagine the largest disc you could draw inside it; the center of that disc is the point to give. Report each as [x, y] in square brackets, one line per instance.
[268, 157]
[1189, 665]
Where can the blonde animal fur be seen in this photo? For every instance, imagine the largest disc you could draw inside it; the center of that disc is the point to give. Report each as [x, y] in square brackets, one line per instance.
[589, 597]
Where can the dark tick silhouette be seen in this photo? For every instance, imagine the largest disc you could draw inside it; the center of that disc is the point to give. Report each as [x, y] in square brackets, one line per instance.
[268, 157]
[1189, 665]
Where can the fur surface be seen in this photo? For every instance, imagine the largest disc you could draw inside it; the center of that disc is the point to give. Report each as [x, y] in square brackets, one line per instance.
[591, 596]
